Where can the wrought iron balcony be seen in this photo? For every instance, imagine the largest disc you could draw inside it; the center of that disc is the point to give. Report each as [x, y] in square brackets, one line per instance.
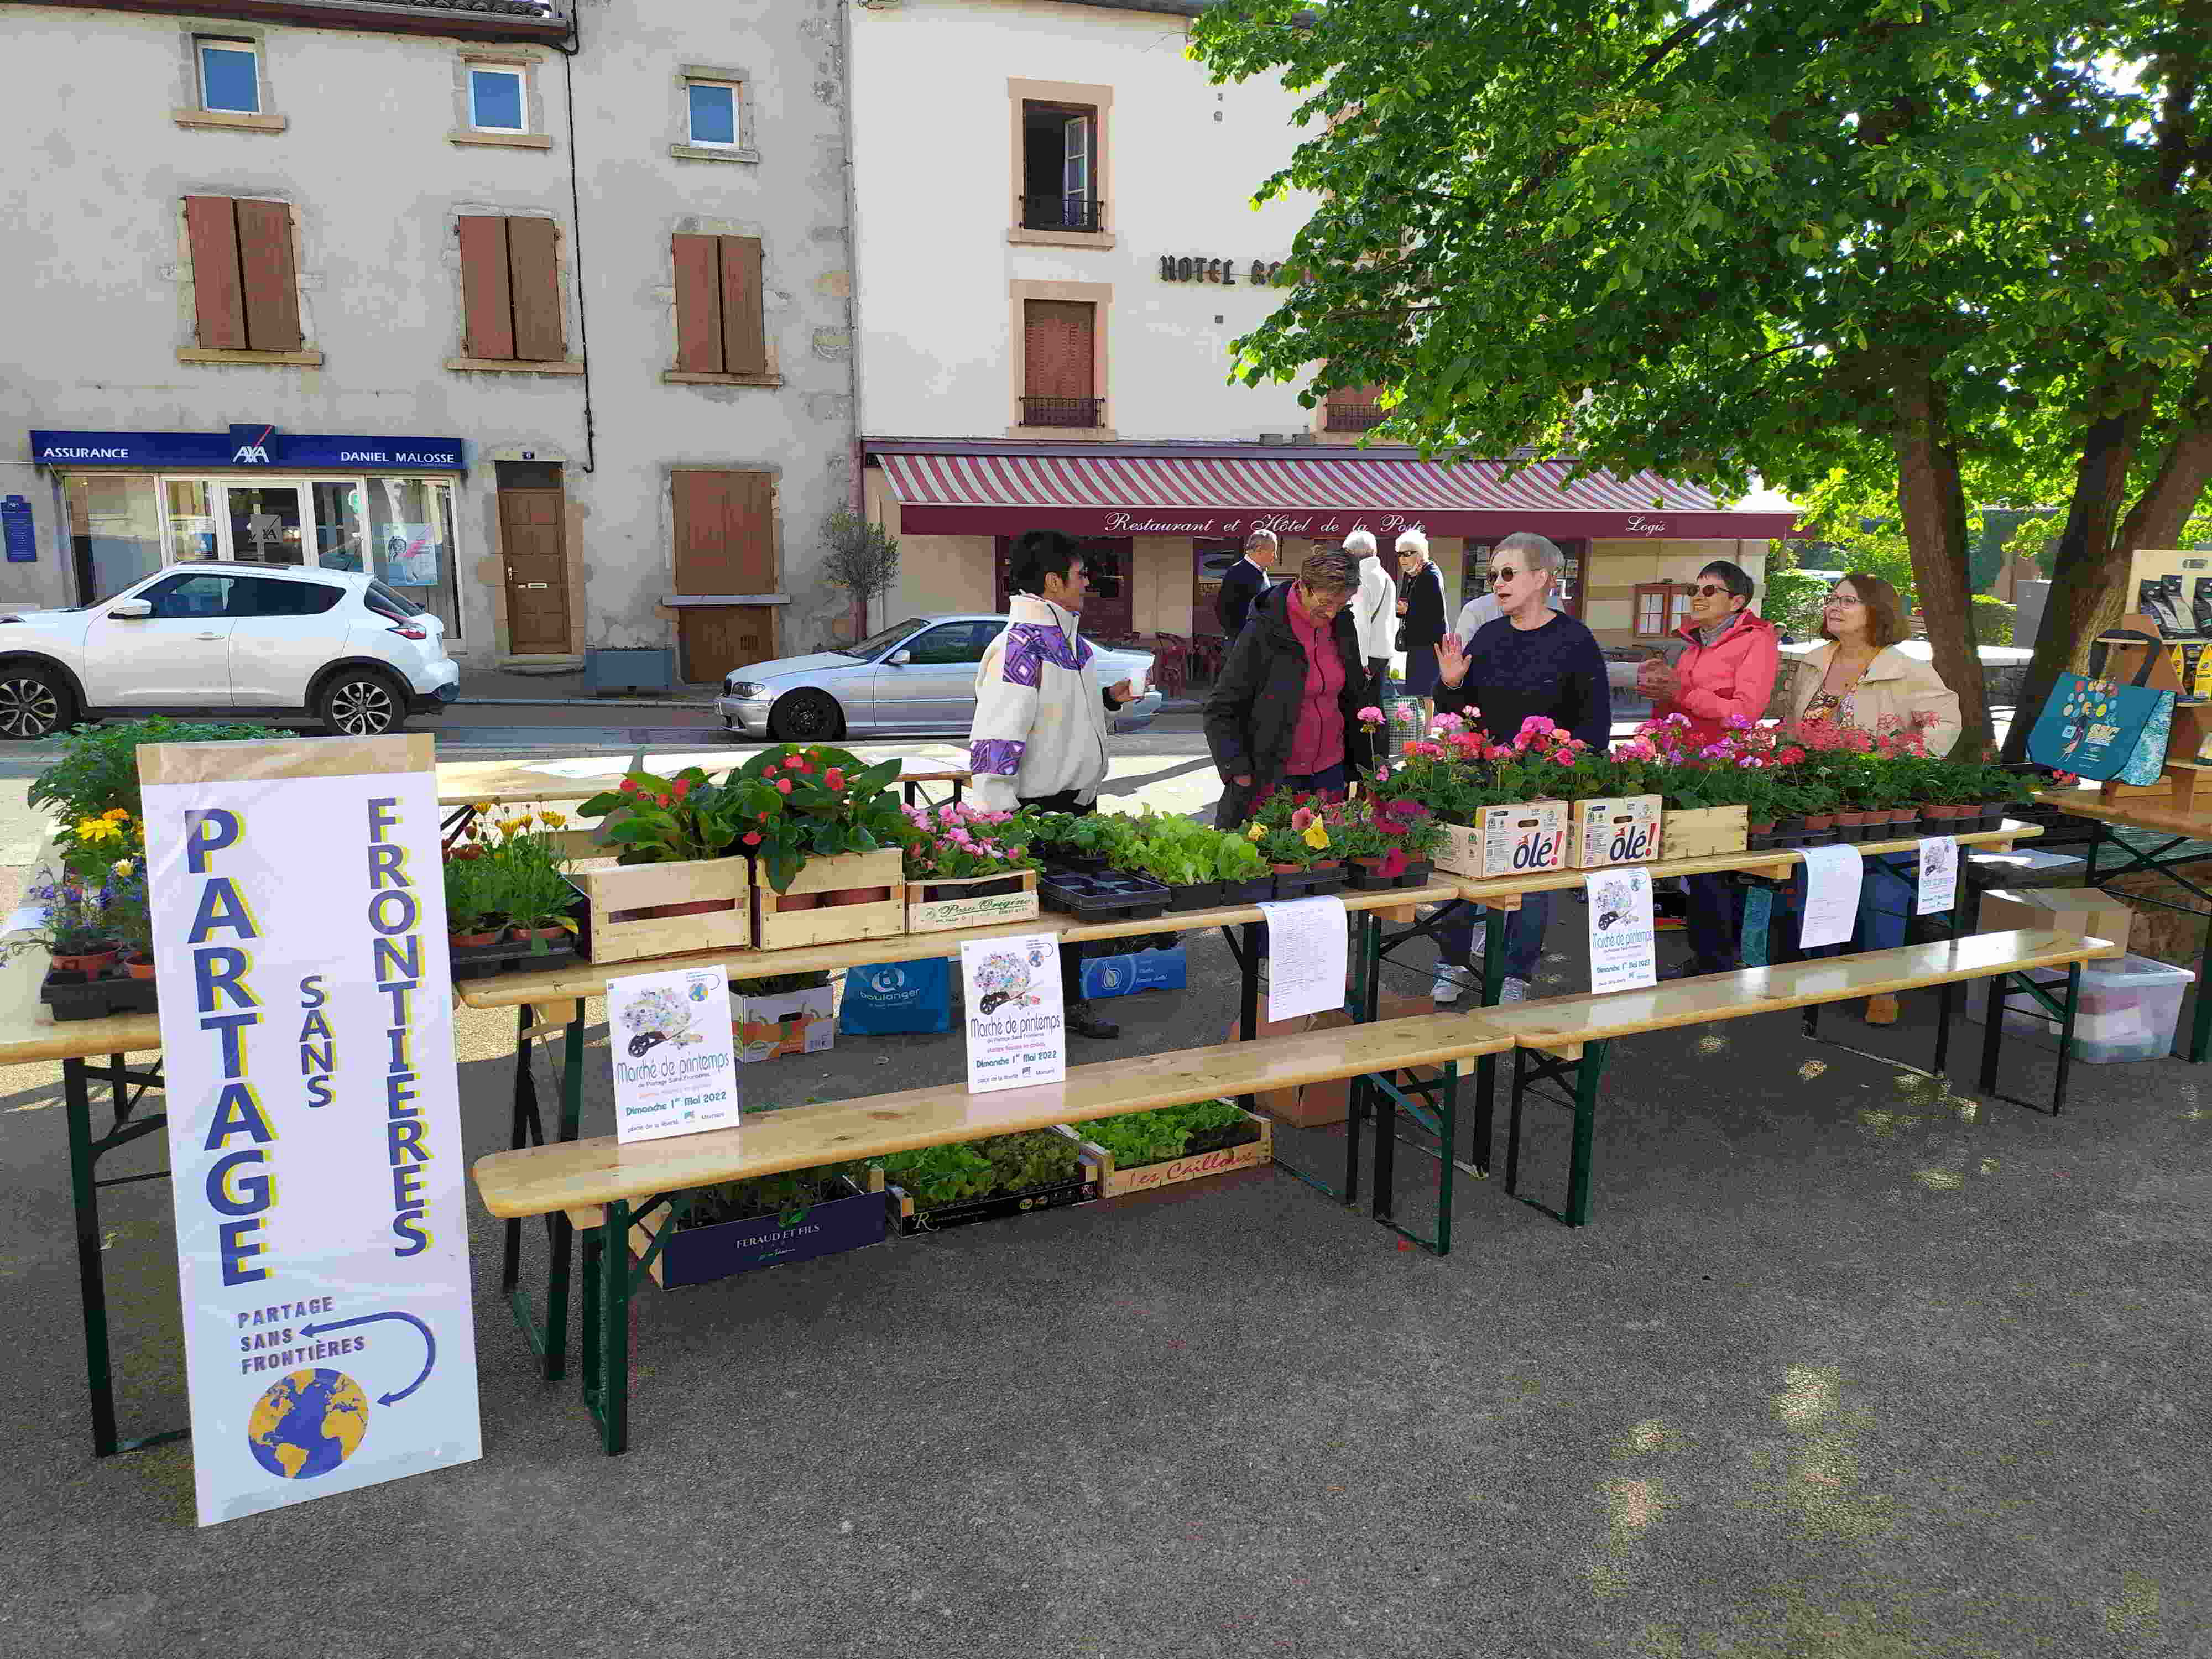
[1059, 213]
[1063, 412]
[1353, 416]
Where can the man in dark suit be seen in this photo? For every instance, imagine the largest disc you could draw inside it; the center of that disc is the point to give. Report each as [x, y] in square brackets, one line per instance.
[1247, 579]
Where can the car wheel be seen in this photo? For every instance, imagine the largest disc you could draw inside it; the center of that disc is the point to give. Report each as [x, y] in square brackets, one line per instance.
[806, 716]
[33, 703]
[360, 703]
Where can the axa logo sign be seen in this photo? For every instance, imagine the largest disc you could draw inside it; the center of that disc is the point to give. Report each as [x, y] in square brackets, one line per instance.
[250, 444]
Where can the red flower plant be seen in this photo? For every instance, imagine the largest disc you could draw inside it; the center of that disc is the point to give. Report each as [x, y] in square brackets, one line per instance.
[834, 778]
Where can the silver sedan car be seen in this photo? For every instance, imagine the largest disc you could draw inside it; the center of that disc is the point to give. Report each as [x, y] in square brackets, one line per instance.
[919, 676]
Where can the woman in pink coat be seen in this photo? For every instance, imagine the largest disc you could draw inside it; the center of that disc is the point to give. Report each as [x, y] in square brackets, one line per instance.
[1727, 673]
[1727, 669]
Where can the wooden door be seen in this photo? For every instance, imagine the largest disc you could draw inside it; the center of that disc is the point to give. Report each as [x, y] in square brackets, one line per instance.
[715, 639]
[533, 549]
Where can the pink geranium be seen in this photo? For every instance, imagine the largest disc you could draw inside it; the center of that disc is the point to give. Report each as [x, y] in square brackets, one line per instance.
[1370, 715]
[1443, 726]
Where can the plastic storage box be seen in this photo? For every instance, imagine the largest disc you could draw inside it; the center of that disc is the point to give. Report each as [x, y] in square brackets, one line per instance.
[2129, 1008]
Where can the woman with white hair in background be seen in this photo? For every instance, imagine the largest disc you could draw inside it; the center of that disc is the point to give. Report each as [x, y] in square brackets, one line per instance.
[1420, 614]
[1374, 608]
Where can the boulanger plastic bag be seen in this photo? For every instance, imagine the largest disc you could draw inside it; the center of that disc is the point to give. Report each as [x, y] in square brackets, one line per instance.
[896, 999]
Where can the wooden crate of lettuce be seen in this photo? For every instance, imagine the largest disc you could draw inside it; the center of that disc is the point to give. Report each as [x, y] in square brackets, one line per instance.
[768, 1221]
[935, 1187]
[1140, 1150]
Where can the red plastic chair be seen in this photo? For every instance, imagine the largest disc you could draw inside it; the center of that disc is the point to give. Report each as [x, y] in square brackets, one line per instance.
[1170, 663]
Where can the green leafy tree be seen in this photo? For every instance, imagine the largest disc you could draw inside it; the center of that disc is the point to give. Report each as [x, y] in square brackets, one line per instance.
[1729, 238]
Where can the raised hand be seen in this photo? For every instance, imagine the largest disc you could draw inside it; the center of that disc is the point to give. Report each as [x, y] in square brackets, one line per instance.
[1451, 660]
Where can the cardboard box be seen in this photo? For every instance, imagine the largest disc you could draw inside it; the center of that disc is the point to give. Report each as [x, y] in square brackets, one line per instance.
[796, 1023]
[1314, 1105]
[1124, 976]
[1507, 840]
[1619, 829]
[2081, 910]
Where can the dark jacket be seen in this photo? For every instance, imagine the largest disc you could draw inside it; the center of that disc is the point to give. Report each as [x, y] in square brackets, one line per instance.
[1252, 716]
[1424, 593]
[1556, 671]
[1245, 583]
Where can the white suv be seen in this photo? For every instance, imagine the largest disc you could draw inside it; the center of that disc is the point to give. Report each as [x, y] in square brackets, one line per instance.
[336, 646]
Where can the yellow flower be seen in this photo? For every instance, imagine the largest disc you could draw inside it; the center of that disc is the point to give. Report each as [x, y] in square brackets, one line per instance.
[551, 820]
[123, 866]
[1257, 832]
[510, 825]
[480, 806]
[117, 815]
[1316, 835]
[97, 829]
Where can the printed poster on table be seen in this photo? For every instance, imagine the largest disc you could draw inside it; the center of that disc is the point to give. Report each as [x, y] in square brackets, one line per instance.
[1016, 1011]
[1623, 940]
[298, 917]
[1939, 875]
[1307, 950]
[674, 1053]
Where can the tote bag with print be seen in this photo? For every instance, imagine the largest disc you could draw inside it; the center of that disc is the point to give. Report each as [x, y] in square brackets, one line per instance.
[2104, 730]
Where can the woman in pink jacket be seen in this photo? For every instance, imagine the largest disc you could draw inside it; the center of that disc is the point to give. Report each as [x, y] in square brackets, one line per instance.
[1727, 669]
[1727, 673]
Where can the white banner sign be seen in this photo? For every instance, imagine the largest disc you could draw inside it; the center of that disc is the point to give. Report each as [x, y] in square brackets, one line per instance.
[1832, 875]
[675, 1054]
[314, 1128]
[1939, 873]
[1623, 941]
[1016, 1011]
[1308, 947]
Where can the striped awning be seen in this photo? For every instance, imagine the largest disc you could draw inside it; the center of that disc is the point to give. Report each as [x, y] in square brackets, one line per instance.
[1138, 490]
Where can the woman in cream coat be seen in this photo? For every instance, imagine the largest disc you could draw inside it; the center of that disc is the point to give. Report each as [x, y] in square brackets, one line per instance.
[1861, 679]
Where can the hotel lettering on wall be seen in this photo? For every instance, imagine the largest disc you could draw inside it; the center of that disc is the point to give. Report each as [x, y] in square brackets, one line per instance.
[1259, 273]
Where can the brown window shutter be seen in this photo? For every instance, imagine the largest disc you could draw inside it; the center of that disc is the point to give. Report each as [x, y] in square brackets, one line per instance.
[534, 268]
[725, 532]
[744, 332]
[1056, 349]
[272, 293]
[487, 296]
[218, 293]
[698, 304]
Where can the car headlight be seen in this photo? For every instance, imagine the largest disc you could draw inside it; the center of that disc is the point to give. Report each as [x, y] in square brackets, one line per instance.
[745, 688]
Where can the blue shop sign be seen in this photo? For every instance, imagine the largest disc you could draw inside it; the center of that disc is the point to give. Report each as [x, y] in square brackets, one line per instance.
[15, 528]
[246, 445]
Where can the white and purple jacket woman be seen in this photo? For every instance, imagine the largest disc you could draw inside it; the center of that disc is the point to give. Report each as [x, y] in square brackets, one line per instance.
[1041, 716]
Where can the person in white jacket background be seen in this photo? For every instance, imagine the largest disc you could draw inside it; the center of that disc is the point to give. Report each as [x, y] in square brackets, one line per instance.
[1042, 718]
[1375, 607]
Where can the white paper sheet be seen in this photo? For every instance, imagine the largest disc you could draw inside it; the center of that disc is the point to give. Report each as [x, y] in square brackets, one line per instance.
[1017, 1019]
[1623, 944]
[674, 1053]
[1832, 875]
[1938, 874]
[1307, 950]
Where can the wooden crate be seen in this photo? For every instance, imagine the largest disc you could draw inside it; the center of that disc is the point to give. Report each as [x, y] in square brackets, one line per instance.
[936, 916]
[1701, 831]
[700, 1255]
[1615, 830]
[1114, 1183]
[615, 893]
[787, 930]
[1507, 840]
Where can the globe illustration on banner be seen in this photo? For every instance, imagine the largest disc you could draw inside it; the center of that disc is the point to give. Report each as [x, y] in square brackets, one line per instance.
[307, 1423]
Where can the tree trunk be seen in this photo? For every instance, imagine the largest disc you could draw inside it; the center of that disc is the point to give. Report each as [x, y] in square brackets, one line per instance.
[2087, 573]
[1932, 500]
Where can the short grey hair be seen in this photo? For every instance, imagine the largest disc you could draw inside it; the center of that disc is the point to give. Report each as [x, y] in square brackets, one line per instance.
[1330, 572]
[1260, 539]
[1413, 539]
[1542, 553]
[1360, 544]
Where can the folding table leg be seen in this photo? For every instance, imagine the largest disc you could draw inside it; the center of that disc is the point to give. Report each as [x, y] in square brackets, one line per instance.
[1589, 1071]
[2066, 1036]
[606, 1328]
[1513, 1119]
[2000, 988]
[1383, 1112]
[1485, 1067]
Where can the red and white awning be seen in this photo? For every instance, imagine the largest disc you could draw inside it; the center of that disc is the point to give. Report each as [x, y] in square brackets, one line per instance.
[948, 489]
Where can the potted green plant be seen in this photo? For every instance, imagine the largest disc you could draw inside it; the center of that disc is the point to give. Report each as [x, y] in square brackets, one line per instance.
[468, 904]
[1138, 1151]
[92, 790]
[938, 1187]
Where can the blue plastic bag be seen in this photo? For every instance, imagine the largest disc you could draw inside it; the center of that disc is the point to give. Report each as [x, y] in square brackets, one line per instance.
[895, 998]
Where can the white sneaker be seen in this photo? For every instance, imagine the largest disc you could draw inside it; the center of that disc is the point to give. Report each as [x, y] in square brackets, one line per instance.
[1514, 990]
[1450, 982]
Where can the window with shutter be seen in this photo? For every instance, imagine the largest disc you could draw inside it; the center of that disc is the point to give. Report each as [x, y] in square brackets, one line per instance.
[721, 329]
[246, 289]
[1651, 599]
[1059, 384]
[510, 292]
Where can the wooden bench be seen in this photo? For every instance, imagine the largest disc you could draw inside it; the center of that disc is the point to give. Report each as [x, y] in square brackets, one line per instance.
[1564, 1039]
[603, 1187]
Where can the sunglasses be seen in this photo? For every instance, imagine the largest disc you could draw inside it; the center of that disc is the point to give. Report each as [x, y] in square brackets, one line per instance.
[1706, 590]
[1502, 574]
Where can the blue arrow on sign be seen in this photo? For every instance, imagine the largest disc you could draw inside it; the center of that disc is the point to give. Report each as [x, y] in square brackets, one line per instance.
[429, 1359]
